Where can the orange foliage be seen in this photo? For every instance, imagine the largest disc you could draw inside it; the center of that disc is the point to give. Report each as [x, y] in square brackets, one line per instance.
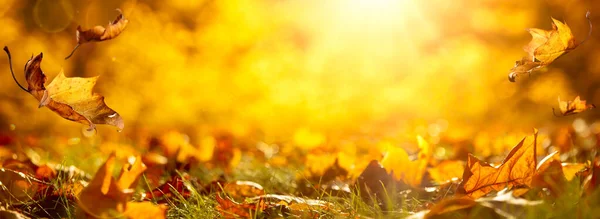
[517, 169]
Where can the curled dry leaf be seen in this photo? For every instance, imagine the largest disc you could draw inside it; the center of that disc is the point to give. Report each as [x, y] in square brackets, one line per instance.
[517, 169]
[545, 47]
[71, 98]
[100, 33]
[573, 107]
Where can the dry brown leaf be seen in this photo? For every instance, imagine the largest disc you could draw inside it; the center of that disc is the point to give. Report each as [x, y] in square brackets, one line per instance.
[545, 47]
[573, 107]
[517, 169]
[100, 33]
[71, 98]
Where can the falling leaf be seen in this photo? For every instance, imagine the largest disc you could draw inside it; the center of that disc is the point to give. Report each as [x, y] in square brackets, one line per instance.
[545, 47]
[71, 98]
[100, 33]
[517, 169]
[573, 107]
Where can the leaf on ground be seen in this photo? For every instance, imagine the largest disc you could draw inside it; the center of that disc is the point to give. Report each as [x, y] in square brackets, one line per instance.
[397, 162]
[71, 98]
[240, 190]
[17, 187]
[8, 214]
[552, 174]
[573, 107]
[502, 205]
[106, 196]
[100, 33]
[131, 173]
[516, 170]
[374, 183]
[250, 207]
[175, 185]
[231, 209]
[145, 210]
[545, 47]
[446, 171]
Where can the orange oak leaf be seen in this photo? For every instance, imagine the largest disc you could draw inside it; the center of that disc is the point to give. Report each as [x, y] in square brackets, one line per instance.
[545, 47]
[71, 98]
[100, 33]
[573, 107]
[517, 169]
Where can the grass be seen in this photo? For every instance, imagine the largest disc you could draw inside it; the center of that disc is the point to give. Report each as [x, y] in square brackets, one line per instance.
[393, 203]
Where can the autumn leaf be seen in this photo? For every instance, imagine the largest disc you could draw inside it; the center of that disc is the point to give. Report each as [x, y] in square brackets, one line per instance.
[517, 169]
[100, 33]
[397, 163]
[446, 170]
[545, 47]
[299, 206]
[552, 174]
[71, 98]
[107, 197]
[239, 190]
[145, 210]
[573, 107]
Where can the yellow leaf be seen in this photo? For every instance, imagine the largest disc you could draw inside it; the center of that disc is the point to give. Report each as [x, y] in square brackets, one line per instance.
[572, 107]
[545, 47]
[145, 210]
[106, 197]
[397, 162]
[71, 98]
[447, 170]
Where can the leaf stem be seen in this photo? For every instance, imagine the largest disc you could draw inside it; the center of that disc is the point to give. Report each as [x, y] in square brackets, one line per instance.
[587, 16]
[69, 56]
[11, 69]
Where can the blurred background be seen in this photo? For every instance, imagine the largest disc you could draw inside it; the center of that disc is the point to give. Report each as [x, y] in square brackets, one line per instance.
[316, 74]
